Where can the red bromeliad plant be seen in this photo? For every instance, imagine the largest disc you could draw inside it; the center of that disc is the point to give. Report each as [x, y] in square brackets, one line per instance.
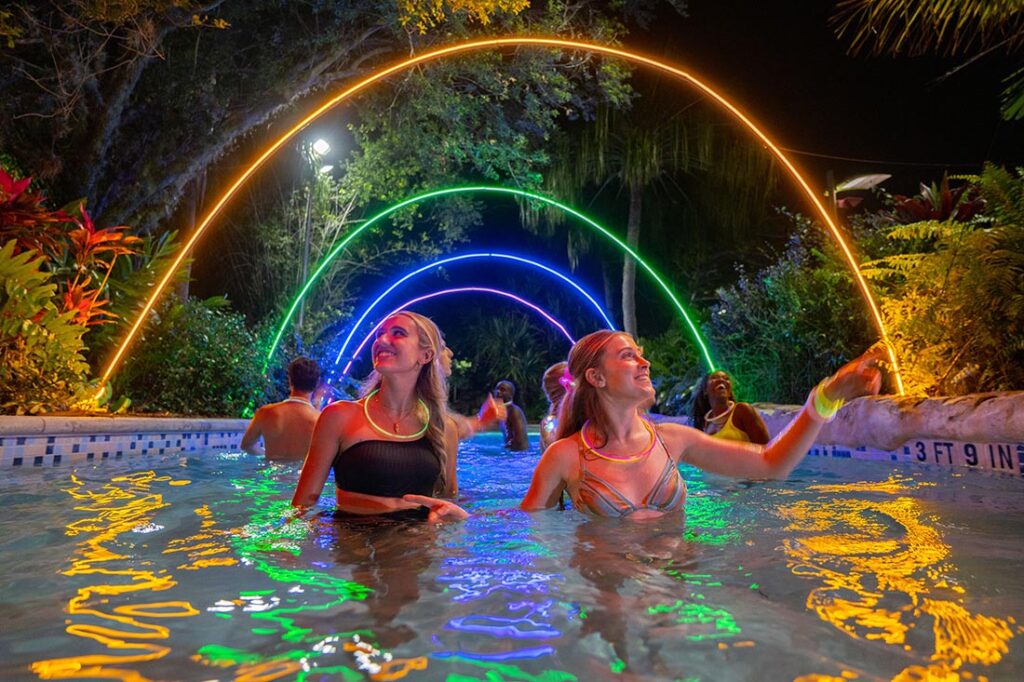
[25, 219]
[93, 253]
[70, 243]
[939, 203]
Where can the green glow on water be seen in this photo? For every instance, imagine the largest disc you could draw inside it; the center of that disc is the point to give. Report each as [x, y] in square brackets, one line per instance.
[270, 530]
[318, 674]
[709, 518]
[700, 614]
[504, 671]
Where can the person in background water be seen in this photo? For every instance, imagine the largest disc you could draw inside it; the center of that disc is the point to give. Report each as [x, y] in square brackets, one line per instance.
[514, 425]
[716, 412]
[392, 451]
[491, 412]
[556, 377]
[286, 428]
[614, 462]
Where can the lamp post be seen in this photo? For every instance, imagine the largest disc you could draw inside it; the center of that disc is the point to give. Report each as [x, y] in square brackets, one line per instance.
[318, 150]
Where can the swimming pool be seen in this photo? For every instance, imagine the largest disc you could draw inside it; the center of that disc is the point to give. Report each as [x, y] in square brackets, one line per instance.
[188, 567]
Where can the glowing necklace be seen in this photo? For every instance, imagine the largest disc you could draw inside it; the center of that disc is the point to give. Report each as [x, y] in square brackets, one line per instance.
[298, 400]
[379, 429]
[720, 418]
[615, 458]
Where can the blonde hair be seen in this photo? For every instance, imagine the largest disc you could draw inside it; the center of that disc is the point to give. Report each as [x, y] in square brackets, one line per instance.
[552, 383]
[582, 401]
[431, 388]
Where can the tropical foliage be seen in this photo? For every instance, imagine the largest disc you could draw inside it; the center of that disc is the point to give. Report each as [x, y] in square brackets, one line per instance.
[657, 150]
[782, 328]
[42, 362]
[953, 291]
[79, 255]
[144, 98]
[971, 28]
[195, 358]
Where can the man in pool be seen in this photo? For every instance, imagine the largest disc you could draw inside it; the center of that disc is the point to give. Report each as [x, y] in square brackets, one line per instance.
[514, 425]
[286, 428]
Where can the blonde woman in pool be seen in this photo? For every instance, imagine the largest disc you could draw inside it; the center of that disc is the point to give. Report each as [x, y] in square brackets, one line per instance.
[614, 462]
[393, 451]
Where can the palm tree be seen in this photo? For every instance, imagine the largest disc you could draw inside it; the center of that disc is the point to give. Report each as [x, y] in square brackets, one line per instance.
[973, 28]
[642, 149]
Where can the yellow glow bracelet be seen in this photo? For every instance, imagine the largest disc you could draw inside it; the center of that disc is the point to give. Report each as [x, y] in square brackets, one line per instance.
[825, 407]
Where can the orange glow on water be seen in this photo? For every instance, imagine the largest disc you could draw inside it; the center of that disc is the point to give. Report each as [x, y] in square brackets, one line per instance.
[118, 507]
[471, 46]
[882, 572]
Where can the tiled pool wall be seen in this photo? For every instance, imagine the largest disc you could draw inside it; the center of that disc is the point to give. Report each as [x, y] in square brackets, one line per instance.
[952, 430]
[53, 441]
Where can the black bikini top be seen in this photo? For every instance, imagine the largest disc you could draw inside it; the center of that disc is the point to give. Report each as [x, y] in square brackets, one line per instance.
[388, 468]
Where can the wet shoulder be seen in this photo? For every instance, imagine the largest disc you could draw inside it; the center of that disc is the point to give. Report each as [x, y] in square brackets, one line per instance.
[677, 437]
[340, 410]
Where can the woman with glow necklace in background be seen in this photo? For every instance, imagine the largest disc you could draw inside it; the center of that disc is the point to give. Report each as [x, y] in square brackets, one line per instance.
[393, 451]
[716, 412]
[614, 462]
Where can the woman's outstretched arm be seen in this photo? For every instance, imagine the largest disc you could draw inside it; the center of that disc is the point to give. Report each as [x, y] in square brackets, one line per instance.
[781, 455]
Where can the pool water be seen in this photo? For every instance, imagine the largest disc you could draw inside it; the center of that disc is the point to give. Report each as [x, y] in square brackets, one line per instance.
[192, 568]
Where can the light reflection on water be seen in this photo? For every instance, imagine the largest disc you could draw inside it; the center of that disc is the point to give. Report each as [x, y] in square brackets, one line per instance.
[197, 569]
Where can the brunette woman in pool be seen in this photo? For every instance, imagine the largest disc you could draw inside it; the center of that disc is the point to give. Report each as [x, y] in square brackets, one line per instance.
[614, 462]
[393, 451]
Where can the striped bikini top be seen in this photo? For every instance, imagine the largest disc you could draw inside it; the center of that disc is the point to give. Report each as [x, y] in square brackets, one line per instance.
[602, 498]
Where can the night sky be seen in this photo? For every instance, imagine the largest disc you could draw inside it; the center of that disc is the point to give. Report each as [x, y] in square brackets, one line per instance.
[783, 64]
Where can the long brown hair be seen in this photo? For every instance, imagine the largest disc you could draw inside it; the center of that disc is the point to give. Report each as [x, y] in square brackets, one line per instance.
[581, 401]
[431, 388]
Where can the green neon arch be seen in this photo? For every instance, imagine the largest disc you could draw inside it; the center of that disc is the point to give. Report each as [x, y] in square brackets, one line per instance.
[337, 249]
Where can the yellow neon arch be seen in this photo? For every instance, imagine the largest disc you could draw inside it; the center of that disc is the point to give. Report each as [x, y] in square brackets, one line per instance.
[502, 42]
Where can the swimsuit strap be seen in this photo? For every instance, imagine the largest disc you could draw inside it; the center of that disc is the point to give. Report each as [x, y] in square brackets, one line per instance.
[620, 505]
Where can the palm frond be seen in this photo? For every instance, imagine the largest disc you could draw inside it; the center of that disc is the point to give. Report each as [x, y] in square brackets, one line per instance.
[916, 27]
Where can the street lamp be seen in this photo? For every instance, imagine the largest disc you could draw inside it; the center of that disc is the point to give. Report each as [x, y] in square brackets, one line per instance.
[321, 147]
[318, 150]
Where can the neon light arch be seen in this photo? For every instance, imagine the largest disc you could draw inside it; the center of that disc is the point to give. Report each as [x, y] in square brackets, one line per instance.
[339, 247]
[492, 43]
[602, 313]
[461, 290]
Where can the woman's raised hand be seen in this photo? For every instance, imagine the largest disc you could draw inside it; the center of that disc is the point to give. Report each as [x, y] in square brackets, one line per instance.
[857, 377]
[440, 510]
[492, 411]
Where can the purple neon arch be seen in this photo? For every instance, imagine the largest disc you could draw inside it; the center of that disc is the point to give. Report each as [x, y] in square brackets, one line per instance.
[461, 290]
